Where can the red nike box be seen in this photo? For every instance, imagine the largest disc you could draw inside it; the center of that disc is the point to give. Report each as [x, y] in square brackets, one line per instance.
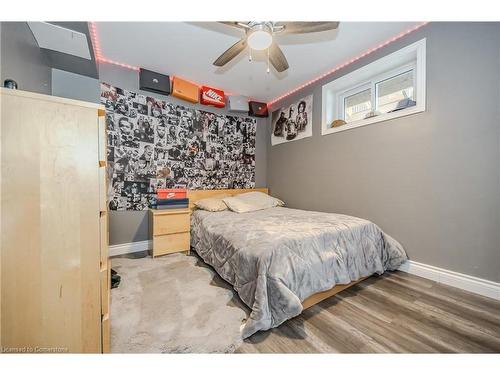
[171, 193]
[211, 96]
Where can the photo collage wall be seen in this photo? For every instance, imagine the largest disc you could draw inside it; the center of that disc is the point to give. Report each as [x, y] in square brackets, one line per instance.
[154, 144]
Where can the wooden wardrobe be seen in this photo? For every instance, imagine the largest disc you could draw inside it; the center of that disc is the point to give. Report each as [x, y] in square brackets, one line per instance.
[54, 225]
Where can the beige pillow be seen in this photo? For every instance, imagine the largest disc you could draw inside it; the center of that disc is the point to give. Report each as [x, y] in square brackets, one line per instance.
[252, 201]
[212, 204]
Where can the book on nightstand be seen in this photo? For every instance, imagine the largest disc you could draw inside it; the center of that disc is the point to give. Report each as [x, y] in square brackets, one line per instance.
[168, 204]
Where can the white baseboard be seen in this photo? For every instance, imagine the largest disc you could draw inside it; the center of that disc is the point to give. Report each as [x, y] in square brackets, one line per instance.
[131, 247]
[458, 280]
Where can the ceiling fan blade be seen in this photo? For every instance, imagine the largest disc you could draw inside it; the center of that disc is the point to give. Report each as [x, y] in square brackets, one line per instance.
[231, 52]
[307, 27]
[277, 58]
[237, 24]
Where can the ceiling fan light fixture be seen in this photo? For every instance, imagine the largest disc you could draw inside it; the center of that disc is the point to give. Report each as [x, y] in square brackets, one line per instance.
[260, 37]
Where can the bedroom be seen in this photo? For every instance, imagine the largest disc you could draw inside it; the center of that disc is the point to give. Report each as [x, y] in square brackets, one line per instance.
[261, 195]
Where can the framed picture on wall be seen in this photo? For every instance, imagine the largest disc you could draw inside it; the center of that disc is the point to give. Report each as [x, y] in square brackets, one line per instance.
[293, 122]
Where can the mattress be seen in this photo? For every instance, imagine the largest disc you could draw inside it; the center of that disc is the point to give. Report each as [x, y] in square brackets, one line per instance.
[276, 258]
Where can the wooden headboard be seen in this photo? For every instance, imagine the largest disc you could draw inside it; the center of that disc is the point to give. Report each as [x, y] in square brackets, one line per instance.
[195, 195]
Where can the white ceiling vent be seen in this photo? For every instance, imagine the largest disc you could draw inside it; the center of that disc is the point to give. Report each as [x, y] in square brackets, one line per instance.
[60, 39]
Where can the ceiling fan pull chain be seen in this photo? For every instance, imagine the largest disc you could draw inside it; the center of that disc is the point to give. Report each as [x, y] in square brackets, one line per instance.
[249, 54]
[268, 70]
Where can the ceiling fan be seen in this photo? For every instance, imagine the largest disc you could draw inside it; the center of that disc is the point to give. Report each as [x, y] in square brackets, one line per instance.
[260, 36]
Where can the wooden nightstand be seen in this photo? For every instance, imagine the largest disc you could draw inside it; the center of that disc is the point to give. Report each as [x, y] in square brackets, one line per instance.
[170, 230]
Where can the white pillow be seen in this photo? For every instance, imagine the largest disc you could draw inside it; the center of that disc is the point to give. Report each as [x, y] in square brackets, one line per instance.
[213, 204]
[252, 201]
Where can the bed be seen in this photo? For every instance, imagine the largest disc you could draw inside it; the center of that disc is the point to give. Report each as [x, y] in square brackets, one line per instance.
[282, 260]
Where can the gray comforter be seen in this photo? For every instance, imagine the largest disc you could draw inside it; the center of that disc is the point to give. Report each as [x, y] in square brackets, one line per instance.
[278, 257]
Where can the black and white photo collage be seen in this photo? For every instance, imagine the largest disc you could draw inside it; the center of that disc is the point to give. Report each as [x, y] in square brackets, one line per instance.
[155, 144]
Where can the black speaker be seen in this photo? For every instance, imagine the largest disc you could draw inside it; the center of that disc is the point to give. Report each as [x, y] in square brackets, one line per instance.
[258, 109]
[154, 82]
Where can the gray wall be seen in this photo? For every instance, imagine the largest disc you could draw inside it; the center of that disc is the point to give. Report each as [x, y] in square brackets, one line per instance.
[431, 180]
[22, 60]
[131, 226]
[75, 86]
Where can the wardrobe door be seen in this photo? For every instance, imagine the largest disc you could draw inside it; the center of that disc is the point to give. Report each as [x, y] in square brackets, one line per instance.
[50, 225]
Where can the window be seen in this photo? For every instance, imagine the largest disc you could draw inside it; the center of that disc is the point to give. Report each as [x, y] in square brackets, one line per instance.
[357, 106]
[395, 90]
[390, 87]
[386, 93]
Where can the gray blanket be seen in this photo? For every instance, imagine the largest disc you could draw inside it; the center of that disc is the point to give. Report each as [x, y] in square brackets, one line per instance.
[278, 257]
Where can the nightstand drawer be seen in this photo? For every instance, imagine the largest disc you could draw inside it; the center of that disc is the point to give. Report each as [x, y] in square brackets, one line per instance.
[171, 243]
[172, 223]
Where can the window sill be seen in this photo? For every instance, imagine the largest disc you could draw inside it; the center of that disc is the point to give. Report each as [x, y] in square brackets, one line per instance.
[325, 129]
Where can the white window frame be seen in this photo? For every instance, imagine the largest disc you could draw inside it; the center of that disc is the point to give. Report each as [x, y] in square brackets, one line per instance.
[408, 58]
[342, 95]
[392, 74]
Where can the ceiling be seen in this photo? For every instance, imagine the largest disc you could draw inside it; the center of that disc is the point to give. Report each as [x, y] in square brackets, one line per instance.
[188, 50]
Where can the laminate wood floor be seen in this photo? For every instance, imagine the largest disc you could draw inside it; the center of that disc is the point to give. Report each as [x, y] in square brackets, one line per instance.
[394, 313]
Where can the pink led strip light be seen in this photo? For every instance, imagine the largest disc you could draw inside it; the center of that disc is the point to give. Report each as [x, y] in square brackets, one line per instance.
[100, 58]
[364, 54]
[98, 52]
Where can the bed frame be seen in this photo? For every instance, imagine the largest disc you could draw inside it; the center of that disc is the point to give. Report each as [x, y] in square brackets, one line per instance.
[195, 195]
[318, 297]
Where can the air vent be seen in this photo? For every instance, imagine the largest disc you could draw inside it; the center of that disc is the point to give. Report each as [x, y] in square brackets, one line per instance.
[60, 39]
